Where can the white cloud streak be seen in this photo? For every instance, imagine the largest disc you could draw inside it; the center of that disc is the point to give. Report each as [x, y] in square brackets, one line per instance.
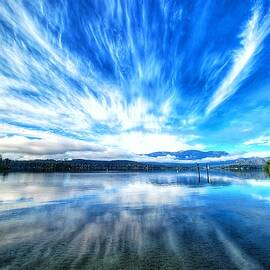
[252, 37]
[261, 140]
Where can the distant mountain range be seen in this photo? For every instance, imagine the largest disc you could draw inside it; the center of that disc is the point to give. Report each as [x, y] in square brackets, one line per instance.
[252, 161]
[190, 154]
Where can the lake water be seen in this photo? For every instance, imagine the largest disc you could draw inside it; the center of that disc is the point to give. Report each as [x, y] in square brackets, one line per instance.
[134, 221]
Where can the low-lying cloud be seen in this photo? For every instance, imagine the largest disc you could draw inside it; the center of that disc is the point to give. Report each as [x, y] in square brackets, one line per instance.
[49, 145]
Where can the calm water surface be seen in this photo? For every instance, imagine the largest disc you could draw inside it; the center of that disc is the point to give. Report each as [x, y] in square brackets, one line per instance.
[134, 221]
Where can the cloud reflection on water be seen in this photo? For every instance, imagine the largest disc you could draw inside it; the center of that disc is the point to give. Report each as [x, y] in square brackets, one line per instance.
[89, 221]
[28, 190]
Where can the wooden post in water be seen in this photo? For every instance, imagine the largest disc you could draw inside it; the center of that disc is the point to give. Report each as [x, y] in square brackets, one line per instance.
[198, 168]
[207, 171]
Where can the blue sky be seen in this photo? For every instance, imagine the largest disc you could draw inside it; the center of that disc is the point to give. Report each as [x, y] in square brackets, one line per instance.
[111, 79]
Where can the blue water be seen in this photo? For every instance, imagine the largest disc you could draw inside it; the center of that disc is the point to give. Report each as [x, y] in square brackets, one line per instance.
[135, 221]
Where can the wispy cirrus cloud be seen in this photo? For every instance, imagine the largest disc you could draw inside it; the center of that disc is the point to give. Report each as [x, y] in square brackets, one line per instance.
[261, 140]
[255, 31]
[44, 83]
[114, 79]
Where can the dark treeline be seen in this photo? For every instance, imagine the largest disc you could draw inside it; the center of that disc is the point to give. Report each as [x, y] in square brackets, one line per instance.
[267, 167]
[80, 165]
